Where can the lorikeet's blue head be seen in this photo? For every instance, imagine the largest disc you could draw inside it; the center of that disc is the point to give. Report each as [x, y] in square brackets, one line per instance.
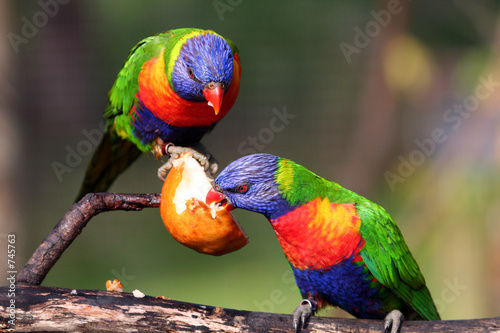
[250, 183]
[203, 70]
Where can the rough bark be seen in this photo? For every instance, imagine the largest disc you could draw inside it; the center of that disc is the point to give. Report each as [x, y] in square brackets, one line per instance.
[50, 309]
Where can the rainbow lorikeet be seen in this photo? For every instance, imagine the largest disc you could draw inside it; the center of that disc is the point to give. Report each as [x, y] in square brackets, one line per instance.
[344, 250]
[172, 90]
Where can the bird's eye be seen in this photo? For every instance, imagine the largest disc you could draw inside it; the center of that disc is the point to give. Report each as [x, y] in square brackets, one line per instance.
[243, 188]
[190, 72]
[217, 188]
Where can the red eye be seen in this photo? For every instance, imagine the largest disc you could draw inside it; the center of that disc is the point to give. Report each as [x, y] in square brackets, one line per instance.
[242, 188]
[190, 72]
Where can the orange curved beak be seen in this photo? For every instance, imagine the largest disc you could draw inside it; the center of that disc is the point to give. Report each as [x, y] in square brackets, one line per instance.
[213, 93]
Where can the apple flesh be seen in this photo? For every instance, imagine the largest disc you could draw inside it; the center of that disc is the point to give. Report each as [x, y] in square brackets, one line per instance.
[206, 229]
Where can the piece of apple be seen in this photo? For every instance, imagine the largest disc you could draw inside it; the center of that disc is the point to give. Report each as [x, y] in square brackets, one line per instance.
[210, 230]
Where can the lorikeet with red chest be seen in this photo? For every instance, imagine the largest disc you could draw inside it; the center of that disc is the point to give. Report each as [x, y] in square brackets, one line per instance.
[344, 250]
[172, 90]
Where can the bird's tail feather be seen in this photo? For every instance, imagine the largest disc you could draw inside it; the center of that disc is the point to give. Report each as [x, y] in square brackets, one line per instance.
[111, 158]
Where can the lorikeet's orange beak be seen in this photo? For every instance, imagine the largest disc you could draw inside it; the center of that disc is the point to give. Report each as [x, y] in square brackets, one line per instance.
[213, 93]
[214, 196]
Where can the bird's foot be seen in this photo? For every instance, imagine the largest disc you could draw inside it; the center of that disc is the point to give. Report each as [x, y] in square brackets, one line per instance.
[303, 313]
[212, 165]
[174, 152]
[393, 321]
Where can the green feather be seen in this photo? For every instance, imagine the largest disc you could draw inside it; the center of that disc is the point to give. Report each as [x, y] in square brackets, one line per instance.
[122, 95]
[298, 185]
[391, 262]
[126, 86]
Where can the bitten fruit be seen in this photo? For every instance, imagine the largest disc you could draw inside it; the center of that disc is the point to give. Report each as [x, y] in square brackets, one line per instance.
[206, 229]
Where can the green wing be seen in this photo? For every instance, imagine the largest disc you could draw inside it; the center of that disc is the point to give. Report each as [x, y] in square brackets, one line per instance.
[115, 153]
[390, 261]
[122, 94]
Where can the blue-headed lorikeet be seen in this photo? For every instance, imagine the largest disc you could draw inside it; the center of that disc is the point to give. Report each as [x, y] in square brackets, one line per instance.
[344, 250]
[172, 90]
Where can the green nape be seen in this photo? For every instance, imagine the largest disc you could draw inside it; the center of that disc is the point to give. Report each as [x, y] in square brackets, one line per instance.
[298, 185]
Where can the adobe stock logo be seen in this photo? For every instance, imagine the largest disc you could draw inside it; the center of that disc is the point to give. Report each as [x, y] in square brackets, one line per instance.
[30, 28]
[453, 118]
[266, 134]
[277, 296]
[222, 6]
[74, 155]
[449, 294]
[363, 38]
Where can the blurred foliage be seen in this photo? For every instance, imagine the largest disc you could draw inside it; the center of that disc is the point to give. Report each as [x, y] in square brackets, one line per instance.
[355, 121]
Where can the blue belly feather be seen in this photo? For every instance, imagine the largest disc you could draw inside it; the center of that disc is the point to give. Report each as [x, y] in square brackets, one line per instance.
[147, 128]
[348, 285]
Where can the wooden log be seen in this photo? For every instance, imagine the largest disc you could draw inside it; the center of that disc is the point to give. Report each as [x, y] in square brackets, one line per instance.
[51, 309]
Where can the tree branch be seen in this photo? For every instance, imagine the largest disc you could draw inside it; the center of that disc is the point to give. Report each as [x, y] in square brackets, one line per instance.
[52, 309]
[72, 224]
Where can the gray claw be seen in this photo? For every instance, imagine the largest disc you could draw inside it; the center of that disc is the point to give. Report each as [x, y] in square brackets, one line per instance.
[163, 170]
[212, 165]
[302, 314]
[393, 321]
[206, 160]
[176, 151]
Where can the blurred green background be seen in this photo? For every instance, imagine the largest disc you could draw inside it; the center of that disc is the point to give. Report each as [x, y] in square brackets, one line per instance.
[397, 100]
